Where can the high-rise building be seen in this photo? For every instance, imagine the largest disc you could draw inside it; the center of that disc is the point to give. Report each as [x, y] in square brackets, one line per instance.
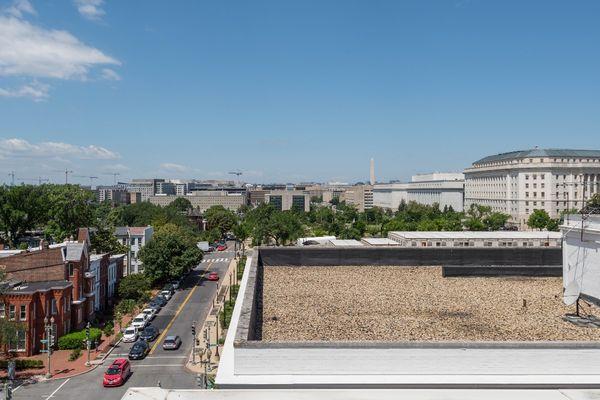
[284, 200]
[146, 187]
[519, 182]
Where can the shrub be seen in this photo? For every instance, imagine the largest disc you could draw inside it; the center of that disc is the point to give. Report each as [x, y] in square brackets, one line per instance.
[76, 340]
[108, 329]
[23, 364]
[74, 354]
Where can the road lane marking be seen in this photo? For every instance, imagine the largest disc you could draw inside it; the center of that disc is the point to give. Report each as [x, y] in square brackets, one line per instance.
[187, 298]
[58, 388]
[157, 365]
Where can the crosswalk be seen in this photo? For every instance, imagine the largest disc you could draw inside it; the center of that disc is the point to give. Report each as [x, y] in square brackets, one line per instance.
[205, 260]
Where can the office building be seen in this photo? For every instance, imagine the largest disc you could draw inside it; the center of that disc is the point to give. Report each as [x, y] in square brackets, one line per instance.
[203, 200]
[115, 194]
[445, 189]
[145, 187]
[284, 200]
[519, 182]
[481, 239]
[359, 196]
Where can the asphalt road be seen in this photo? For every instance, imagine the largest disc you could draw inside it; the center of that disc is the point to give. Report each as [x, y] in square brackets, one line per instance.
[160, 365]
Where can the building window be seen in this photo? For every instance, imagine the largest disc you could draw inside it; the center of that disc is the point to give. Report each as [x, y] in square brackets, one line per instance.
[11, 312]
[527, 186]
[18, 343]
[2, 310]
[53, 306]
[23, 312]
[71, 270]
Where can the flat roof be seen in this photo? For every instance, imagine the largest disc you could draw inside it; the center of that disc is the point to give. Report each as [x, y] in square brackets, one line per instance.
[380, 241]
[474, 235]
[345, 242]
[32, 287]
[410, 304]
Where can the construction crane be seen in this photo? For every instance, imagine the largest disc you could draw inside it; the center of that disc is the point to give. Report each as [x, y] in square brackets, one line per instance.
[91, 178]
[237, 173]
[39, 180]
[66, 172]
[12, 177]
[114, 174]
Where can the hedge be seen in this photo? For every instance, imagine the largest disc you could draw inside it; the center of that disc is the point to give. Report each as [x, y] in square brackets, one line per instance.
[76, 340]
[23, 364]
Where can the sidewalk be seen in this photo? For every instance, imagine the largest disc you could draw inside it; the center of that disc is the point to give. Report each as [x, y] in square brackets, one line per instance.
[60, 364]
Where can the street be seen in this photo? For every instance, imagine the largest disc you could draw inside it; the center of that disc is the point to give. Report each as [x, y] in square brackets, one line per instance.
[190, 303]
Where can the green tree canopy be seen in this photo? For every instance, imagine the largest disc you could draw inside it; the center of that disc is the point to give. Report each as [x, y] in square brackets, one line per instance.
[171, 253]
[135, 287]
[220, 218]
[21, 208]
[539, 219]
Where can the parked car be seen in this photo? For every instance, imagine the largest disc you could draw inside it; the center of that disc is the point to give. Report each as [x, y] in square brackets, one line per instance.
[222, 247]
[149, 333]
[117, 373]
[169, 287]
[155, 305]
[160, 300]
[166, 294]
[213, 276]
[172, 343]
[139, 350]
[130, 334]
[140, 321]
[150, 312]
[210, 249]
[175, 284]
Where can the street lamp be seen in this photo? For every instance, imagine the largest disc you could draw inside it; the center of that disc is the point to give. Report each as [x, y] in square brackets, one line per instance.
[88, 343]
[48, 328]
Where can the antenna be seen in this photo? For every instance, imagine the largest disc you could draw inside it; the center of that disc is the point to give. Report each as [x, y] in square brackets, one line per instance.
[114, 174]
[12, 176]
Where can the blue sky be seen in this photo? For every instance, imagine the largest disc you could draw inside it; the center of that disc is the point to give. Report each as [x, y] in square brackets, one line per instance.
[291, 91]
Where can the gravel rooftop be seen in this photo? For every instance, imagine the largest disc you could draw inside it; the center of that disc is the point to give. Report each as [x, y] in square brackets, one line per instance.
[402, 304]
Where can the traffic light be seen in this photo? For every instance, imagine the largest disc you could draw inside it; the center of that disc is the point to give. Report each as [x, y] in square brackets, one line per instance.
[194, 329]
[87, 330]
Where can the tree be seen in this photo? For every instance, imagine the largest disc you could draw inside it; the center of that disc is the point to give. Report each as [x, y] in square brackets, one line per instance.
[218, 217]
[181, 204]
[171, 253]
[8, 329]
[134, 287]
[495, 221]
[242, 231]
[539, 219]
[69, 208]
[593, 204]
[474, 217]
[21, 208]
[104, 241]
[285, 226]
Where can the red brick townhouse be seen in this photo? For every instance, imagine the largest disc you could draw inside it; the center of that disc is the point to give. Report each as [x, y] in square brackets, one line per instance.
[27, 303]
[65, 266]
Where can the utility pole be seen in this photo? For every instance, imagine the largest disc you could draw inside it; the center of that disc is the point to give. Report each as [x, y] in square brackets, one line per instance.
[193, 343]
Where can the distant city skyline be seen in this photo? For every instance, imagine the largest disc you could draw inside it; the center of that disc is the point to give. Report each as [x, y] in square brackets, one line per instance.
[290, 92]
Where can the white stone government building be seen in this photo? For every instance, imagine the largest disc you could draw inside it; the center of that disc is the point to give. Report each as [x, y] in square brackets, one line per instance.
[519, 182]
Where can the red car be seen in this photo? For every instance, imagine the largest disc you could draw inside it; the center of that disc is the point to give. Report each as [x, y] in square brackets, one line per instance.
[213, 276]
[117, 373]
[221, 248]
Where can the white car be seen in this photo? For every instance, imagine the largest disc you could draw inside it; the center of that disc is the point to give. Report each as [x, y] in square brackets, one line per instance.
[150, 312]
[166, 294]
[140, 321]
[130, 334]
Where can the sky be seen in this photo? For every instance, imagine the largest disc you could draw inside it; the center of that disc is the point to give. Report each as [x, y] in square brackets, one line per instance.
[290, 91]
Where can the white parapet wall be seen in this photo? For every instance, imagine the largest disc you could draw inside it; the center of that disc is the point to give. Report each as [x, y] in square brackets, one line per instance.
[248, 362]
[581, 257]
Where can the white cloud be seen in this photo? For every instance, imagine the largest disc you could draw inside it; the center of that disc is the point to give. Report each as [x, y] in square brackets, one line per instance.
[90, 9]
[171, 167]
[110, 75]
[34, 90]
[15, 147]
[29, 50]
[20, 7]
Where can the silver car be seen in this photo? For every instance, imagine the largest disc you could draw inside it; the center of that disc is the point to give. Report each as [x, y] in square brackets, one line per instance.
[171, 343]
